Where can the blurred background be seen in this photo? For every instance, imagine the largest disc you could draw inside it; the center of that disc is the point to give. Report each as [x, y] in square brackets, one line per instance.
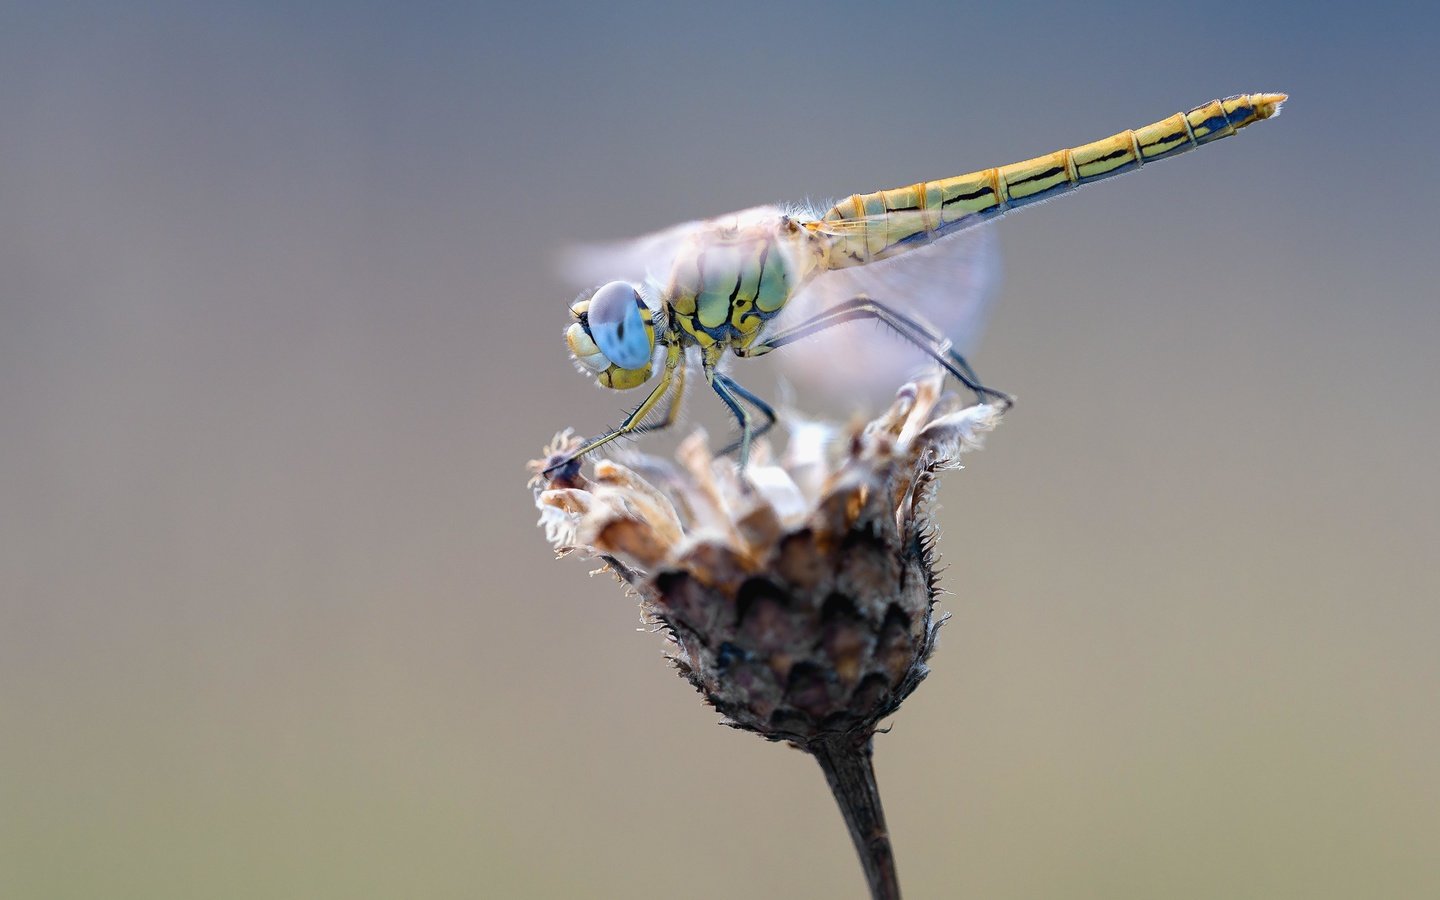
[279, 328]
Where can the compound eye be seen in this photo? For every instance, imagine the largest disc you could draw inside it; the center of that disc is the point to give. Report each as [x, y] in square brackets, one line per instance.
[618, 327]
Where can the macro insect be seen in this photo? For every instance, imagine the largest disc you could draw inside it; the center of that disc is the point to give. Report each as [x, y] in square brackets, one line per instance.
[693, 295]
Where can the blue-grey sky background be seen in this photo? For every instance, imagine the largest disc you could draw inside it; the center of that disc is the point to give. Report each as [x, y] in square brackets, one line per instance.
[279, 328]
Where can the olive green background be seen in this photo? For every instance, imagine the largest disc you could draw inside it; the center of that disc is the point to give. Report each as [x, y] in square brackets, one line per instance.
[279, 328]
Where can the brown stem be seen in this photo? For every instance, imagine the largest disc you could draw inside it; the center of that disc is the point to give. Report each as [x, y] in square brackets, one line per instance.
[846, 763]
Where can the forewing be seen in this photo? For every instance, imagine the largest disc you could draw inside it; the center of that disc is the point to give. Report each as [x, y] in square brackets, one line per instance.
[949, 284]
[636, 260]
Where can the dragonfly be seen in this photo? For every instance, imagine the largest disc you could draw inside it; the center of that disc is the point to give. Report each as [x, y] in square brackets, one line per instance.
[700, 293]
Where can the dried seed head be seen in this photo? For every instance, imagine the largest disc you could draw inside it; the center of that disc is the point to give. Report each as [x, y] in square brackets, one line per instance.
[799, 598]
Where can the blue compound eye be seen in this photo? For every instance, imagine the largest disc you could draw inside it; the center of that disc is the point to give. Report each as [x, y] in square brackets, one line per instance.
[618, 327]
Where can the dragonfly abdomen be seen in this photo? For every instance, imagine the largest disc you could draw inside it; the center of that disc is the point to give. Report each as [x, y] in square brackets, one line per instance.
[869, 227]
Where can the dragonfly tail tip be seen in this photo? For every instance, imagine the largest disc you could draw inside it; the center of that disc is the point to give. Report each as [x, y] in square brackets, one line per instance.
[1267, 105]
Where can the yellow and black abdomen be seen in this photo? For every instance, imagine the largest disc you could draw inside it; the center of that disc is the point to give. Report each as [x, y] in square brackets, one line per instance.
[724, 291]
[868, 227]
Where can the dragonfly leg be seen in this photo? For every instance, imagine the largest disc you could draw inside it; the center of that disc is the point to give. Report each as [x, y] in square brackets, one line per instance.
[922, 336]
[672, 410]
[732, 393]
[634, 423]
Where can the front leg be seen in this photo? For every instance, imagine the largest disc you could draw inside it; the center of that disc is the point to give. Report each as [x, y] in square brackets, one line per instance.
[672, 408]
[635, 422]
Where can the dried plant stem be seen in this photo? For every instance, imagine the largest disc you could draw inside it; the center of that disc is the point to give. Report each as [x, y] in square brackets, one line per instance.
[846, 762]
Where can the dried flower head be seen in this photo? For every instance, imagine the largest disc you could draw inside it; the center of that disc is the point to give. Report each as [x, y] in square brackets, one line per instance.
[799, 597]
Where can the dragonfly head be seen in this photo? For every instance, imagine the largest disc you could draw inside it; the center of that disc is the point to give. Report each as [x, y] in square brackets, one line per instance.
[613, 335]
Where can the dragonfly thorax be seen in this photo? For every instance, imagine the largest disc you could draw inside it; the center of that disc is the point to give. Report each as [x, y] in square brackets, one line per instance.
[732, 279]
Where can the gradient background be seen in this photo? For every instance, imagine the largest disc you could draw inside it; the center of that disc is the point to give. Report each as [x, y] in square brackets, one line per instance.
[278, 330]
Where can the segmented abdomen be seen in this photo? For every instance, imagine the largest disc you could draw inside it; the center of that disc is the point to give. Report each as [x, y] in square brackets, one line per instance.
[889, 222]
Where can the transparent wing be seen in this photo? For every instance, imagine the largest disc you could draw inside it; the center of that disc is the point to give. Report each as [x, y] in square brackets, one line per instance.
[647, 258]
[948, 284]
[635, 260]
